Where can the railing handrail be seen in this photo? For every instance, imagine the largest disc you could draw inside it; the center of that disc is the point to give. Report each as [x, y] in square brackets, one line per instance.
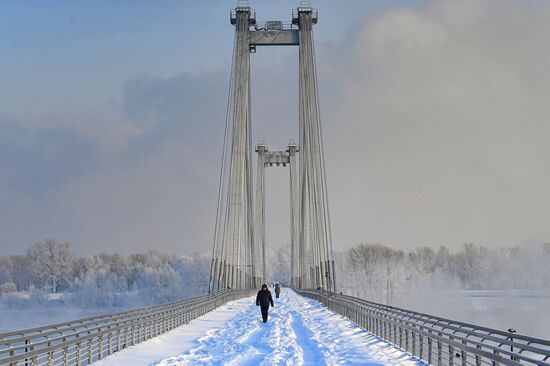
[77, 335]
[101, 319]
[490, 336]
[456, 322]
[76, 332]
[89, 339]
[451, 336]
[481, 343]
[99, 316]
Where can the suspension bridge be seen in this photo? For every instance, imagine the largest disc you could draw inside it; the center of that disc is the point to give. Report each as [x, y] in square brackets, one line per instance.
[311, 324]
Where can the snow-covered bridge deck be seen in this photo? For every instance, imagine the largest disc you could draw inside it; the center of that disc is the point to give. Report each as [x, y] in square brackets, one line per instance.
[224, 328]
[300, 331]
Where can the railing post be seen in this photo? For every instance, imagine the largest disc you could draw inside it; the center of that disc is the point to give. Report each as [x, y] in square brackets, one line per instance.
[478, 357]
[27, 341]
[100, 345]
[78, 345]
[89, 349]
[65, 353]
[369, 321]
[413, 340]
[463, 353]
[109, 345]
[439, 350]
[12, 353]
[496, 353]
[118, 339]
[451, 352]
[33, 358]
[50, 355]
[430, 348]
[421, 342]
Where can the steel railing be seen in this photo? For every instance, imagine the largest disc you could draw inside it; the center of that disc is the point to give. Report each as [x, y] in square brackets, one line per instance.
[86, 340]
[437, 340]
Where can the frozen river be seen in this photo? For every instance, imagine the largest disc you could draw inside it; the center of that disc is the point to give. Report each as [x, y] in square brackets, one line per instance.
[525, 311]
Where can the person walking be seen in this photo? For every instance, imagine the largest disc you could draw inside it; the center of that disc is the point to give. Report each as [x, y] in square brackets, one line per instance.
[277, 290]
[263, 300]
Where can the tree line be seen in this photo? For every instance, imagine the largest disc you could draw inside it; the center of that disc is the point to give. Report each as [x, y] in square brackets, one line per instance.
[50, 269]
[383, 274]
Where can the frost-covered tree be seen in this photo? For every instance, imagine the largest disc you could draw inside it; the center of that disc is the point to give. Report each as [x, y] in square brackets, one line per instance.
[470, 264]
[279, 265]
[423, 261]
[5, 269]
[366, 258]
[51, 264]
[194, 272]
[393, 271]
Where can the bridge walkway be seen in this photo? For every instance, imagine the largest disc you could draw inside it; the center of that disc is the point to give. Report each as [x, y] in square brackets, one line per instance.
[300, 331]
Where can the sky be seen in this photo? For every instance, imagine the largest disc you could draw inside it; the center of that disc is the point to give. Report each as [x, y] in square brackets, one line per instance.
[435, 117]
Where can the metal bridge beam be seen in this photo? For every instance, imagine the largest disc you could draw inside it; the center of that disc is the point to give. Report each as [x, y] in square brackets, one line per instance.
[288, 37]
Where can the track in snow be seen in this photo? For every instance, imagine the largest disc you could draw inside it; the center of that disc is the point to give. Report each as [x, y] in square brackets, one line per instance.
[300, 331]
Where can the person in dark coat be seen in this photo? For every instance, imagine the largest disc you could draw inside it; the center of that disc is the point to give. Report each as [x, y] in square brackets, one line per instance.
[263, 300]
[277, 290]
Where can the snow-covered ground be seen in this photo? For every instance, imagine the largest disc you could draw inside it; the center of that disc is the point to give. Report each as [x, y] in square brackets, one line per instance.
[300, 331]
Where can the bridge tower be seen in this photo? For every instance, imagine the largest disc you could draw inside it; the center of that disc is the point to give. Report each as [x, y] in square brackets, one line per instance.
[238, 254]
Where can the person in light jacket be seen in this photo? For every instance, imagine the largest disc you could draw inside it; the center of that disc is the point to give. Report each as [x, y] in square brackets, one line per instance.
[263, 300]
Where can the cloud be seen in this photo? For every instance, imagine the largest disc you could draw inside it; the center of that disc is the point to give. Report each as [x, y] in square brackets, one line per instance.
[125, 177]
[162, 193]
[439, 128]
